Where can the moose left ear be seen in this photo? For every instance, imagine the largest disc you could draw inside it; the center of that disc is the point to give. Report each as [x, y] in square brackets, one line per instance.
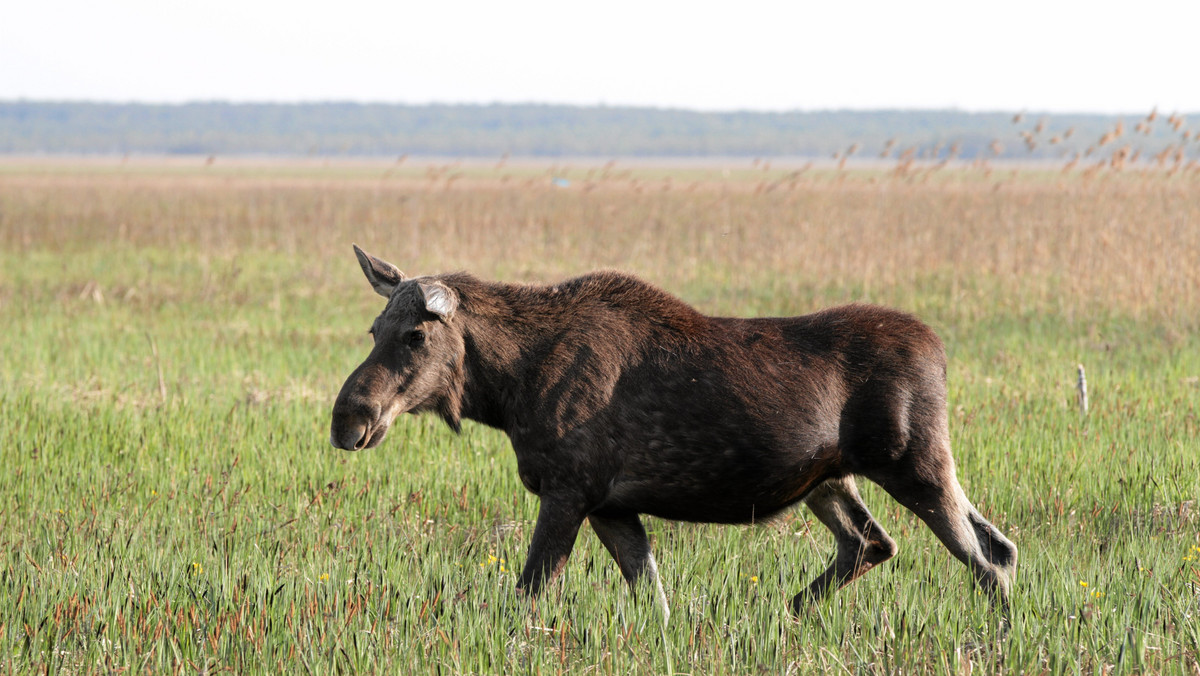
[439, 299]
[383, 276]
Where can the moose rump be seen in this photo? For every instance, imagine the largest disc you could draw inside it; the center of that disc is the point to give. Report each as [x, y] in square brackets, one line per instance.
[621, 400]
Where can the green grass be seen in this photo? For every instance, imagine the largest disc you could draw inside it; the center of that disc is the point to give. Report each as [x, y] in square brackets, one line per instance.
[169, 500]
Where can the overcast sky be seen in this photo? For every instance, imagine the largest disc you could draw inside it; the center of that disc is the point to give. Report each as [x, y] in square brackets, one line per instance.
[1000, 55]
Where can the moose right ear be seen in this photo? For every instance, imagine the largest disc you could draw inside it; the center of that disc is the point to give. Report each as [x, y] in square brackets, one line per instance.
[383, 276]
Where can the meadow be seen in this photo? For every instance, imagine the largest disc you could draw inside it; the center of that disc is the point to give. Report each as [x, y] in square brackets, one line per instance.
[173, 334]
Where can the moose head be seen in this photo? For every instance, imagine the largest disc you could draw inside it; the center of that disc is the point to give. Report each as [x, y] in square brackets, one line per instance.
[416, 363]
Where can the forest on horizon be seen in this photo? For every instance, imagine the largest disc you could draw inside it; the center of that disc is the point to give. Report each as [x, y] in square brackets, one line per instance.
[543, 130]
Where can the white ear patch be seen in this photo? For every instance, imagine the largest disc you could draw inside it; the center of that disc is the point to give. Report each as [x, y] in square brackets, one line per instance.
[439, 299]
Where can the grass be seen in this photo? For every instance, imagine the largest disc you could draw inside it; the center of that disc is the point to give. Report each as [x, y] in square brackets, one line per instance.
[173, 339]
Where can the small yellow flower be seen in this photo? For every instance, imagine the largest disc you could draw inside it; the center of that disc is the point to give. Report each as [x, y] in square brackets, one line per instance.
[153, 492]
[754, 579]
[1082, 583]
[1097, 594]
[197, 569]
[324, 576]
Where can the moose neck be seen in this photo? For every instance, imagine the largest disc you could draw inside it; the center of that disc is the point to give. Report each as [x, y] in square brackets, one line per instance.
[514, 336]
[500, 322]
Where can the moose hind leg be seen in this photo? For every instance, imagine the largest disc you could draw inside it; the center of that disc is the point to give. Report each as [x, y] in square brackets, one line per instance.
[862, 543]
[938, 499]
[625, 538]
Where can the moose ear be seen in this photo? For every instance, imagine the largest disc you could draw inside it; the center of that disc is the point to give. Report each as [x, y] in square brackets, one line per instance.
[439, 299]
[382, 275]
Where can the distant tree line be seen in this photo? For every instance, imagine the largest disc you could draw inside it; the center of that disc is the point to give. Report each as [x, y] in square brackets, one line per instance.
[365, 129]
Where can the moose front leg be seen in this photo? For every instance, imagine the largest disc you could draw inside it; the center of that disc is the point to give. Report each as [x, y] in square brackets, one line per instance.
[625, 538]
[553, 538]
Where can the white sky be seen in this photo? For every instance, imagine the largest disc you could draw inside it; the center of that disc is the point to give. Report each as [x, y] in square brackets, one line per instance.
[1001, 55]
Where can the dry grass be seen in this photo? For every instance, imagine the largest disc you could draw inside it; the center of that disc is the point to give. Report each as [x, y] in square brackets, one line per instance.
[1120, 243]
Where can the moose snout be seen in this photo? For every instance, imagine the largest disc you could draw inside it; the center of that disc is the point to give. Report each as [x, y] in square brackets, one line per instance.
[356, 425]
[348, 437]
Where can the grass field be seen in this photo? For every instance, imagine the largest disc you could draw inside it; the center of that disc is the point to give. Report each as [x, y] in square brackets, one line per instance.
[172, 336]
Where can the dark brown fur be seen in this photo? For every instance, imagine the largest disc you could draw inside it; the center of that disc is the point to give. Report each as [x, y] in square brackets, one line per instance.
[622, 400]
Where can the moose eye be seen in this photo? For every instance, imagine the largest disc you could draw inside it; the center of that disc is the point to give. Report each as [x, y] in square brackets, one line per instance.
[416, 339]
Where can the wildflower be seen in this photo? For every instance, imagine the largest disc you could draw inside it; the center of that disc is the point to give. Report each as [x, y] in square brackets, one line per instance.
[197, 569]
[1082, 583]
[1097, 594]
[324, 577]
[754, 579]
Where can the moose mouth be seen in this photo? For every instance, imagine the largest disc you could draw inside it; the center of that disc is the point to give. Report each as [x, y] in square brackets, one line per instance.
[357, 437]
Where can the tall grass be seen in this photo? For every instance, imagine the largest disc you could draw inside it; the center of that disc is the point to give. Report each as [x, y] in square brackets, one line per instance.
[173, 339]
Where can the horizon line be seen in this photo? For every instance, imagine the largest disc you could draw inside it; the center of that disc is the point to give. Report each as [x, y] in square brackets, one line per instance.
[580, 106]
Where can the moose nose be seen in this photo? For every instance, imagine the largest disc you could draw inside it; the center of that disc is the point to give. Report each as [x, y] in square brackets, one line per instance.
[354, 417]
[350, 437]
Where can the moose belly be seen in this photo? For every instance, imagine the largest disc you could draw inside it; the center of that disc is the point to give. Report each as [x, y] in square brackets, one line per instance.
[722, 485]
[698, 446]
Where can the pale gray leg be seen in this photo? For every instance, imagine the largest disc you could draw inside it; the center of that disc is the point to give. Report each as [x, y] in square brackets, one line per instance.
[943, 506]
[862, 543]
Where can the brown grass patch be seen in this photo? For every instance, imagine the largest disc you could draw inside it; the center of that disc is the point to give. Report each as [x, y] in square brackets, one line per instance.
[1121, 242]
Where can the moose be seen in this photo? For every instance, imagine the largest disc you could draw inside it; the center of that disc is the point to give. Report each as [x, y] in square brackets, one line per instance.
[621, 400]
